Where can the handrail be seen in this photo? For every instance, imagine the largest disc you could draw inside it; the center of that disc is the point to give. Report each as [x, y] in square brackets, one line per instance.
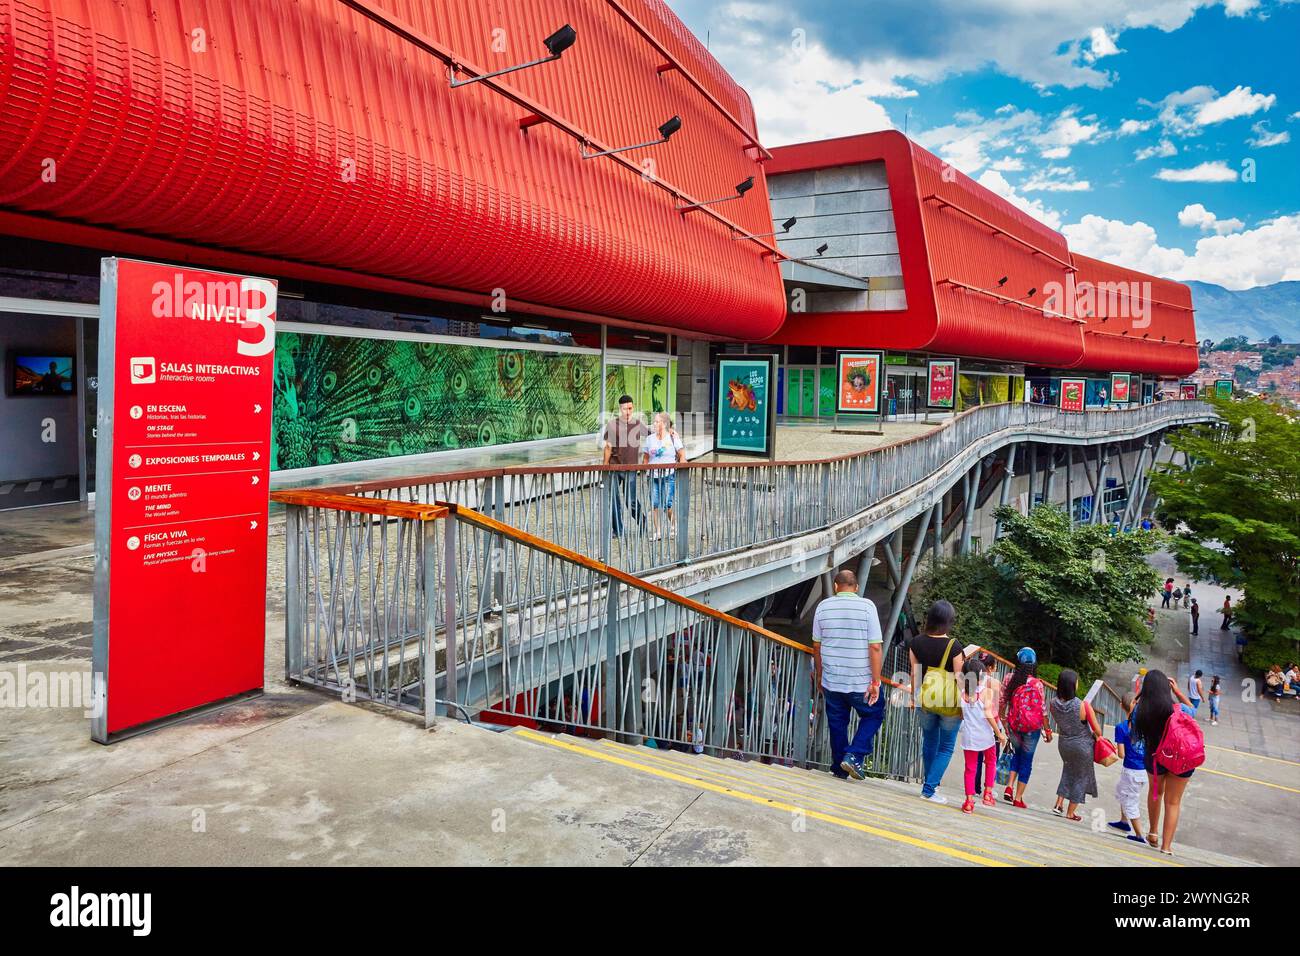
[540, 544]
[475, 474]
[384, 507]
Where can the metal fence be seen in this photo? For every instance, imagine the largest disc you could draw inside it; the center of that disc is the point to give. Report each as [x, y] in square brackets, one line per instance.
[620, 514]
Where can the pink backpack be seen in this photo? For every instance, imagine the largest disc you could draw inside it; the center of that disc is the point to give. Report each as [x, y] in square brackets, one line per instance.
[1025, 715]
[1182, 745]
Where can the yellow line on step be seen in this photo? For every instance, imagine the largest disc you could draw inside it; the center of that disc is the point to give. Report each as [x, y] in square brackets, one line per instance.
[1247, 753]
[1262, 783]
[765, 801]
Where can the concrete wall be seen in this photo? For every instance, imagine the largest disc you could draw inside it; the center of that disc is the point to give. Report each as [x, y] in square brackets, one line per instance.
[23, 419]
[849, 209]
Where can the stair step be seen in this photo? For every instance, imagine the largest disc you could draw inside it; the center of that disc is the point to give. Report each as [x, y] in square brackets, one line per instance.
[892, 810]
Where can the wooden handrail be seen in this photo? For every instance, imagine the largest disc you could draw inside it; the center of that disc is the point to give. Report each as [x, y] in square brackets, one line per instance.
[473, 517]
[384, 507]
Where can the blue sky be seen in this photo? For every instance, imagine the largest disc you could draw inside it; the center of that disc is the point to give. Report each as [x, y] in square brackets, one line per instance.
[1161, 134]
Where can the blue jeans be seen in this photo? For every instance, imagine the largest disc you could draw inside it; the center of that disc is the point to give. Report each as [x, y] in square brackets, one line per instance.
[1214, 708]
[938, 739]
[839, 704]
[624, 490]
[1024, 746]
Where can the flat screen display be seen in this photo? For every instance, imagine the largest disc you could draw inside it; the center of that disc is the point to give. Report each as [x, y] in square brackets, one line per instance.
[43, 375]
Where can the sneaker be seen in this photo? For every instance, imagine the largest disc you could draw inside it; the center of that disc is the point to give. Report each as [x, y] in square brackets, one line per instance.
[989, 801]
[968, 806]
[1214, 723]
[1136, 839]
[938, 798]
[1122, 826]
[853, 767]
[1020, 805]
[1008, 796]
[1058, 811]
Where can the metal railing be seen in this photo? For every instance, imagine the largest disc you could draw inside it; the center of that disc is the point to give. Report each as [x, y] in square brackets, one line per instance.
[619, 513]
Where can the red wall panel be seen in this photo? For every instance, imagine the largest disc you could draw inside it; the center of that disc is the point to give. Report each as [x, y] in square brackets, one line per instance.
[305, 133]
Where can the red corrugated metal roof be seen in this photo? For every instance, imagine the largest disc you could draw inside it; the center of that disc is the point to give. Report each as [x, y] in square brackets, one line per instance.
[956, 240]
[310, 137]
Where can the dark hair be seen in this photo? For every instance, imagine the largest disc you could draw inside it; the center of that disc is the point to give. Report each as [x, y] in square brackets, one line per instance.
[1214, 684]
[1156, 704]
[939, 618]
[971, 672]
[1018, 677]
[625, 400]
[987, 659]
[1199, 673]
[1067, 685]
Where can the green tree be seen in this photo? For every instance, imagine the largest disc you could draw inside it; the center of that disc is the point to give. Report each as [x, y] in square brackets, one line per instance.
[1238, 513]
[1076, 595]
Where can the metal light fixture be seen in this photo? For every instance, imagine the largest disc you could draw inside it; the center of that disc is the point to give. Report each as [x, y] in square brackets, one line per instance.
[666, 131]
[785, 227]
[741, 189]
[1003, 281]
[821, 250]
[555, 44]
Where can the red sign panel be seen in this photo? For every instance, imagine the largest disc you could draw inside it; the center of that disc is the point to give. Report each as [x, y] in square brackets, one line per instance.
[1187, 391]
[187, 360]
[1072, 394]
[942, 383]
[1120, 388]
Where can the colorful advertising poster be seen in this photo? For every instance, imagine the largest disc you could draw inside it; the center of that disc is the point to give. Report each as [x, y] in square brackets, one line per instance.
[746, 419]
[941, 387]
[860, 381]
[1072, 394]
[186, 361]
[1187, 391]
[1119, 388]
[1223, 387]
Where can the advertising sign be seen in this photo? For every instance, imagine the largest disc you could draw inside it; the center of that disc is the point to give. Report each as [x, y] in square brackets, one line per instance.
[1187, 391]
[1223, 387]
[1119, 388]
[186, 362]
[746, 401]
[860, 381]
[941, 383]
[1072, 394]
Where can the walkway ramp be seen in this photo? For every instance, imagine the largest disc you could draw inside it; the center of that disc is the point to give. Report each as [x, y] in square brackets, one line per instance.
[887, 820]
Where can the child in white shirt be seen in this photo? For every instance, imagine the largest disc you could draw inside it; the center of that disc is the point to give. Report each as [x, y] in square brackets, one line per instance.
[980, 731]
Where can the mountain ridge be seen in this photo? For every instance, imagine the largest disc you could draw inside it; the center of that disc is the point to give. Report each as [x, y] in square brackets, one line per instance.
[1257, 313]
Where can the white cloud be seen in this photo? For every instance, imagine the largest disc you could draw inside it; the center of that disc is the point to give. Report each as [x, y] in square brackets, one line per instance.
[1100, 43]
[1178, 111]
[1240, 101]
[1261, 256]
[1131, 126]
[1264, 137]
[1008, 164]
[1215, 172]
[997, 183]
[1056, 179]
[1198, 217]
[1066, 132]
[1164, 148]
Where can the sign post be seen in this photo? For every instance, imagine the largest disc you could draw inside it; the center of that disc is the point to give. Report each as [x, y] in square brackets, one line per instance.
[746, 401]
[860, 385]
[941, 385]
[187, 359]
[1223, 387]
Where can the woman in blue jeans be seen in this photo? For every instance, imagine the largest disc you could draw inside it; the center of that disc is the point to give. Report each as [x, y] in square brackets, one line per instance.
[1032, 707]
[934, 649]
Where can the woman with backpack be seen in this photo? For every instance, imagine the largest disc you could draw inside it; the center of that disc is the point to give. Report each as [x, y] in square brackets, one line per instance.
[1168, 735]
[936, 660]
[1077, 730]
[1024, 708]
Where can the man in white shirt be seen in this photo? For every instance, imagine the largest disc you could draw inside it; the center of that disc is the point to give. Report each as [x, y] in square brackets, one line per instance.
[847, 660]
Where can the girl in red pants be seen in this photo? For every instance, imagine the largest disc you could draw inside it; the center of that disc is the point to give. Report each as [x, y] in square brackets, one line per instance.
[979, 730]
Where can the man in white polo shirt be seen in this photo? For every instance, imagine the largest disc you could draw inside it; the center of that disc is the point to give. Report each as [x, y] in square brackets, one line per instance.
[847, 659]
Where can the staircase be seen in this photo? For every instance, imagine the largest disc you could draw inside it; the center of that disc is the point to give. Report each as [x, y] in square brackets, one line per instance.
[887, 819]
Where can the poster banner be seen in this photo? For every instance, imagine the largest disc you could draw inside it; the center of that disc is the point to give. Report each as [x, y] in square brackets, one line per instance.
[187, 359]
[1187, 391]
[860, 381]
[745, 423]
[1119, 388]
[1072, 394]
[1223, 387]
[941, 384]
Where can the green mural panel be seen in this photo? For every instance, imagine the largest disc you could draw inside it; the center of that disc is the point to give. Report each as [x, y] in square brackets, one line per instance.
[653, 388]
[340, 399]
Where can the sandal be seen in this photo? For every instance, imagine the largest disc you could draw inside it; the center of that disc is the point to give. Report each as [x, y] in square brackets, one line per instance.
[1075, 817]
[988, 799]
[1153, 840]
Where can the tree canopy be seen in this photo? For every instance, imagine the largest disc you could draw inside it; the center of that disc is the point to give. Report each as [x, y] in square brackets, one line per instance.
[1237, 515]
[1076, 595]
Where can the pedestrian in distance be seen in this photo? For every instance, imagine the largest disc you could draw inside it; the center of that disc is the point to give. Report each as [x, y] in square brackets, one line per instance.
[1226, 611]
[1077, 731]
[1194, 688]
[1132, 775]
[621, 441]
[1024, 713]
[847, 662]
[1171, 743]
[1196, 618]
[664, 448]
[993, 693]
[1167, 593]
[936, 661]
[981, 731]
[1187, 595]
[1216, 694]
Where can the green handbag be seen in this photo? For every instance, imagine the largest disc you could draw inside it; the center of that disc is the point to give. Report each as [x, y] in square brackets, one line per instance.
[939, 691]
